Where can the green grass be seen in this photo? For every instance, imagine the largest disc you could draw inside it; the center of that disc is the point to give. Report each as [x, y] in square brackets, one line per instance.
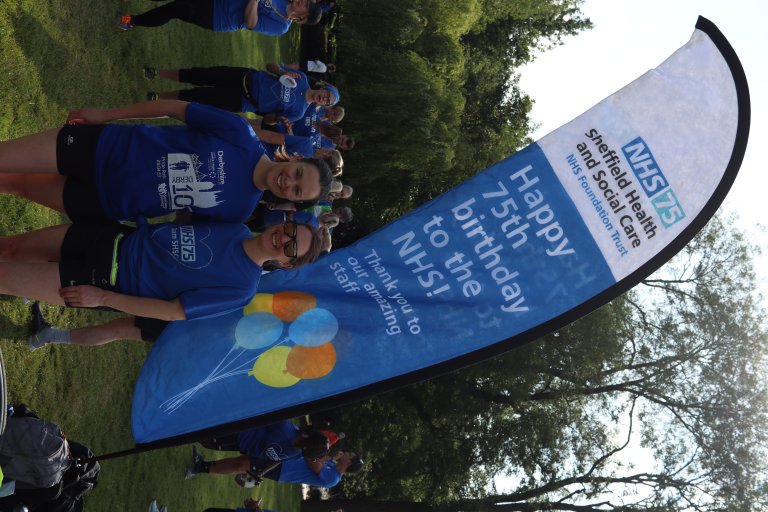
[61, 55]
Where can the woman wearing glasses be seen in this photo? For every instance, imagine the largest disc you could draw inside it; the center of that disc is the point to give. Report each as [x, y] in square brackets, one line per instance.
[156, 272]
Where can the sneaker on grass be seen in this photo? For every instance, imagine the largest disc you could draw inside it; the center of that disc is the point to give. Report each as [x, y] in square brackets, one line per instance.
[125, 22]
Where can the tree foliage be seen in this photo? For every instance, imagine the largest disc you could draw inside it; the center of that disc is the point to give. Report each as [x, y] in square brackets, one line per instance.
[673, 371]
[432, 94]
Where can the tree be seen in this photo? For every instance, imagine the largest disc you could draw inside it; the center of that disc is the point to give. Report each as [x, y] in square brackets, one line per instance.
[677, 367]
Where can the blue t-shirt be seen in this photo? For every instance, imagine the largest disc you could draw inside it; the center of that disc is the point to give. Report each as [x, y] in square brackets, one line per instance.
[203, 264]
[273, 442]
[229, 15]
[305, 127]
[294, 146]
[319, 208]
[297, 471]
[205, 167]
[268, 95]
[307, 218]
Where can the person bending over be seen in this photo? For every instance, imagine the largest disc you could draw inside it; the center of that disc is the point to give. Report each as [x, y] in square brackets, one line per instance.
[158, 273]
[270, 17]
[324, 472]
[214, 166]
[277, 442]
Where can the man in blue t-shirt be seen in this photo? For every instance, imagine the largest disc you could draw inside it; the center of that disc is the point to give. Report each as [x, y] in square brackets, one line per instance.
[261, 447]
[270, 17]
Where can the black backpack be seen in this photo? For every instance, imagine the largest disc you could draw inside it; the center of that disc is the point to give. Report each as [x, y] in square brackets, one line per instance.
[76, 478]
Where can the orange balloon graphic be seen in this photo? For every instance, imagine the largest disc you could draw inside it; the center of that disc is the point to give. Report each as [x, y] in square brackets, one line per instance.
[311, 362]
[260, 303]
[288, 306]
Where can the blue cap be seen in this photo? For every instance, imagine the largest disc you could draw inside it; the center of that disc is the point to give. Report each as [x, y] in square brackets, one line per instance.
[335, 92]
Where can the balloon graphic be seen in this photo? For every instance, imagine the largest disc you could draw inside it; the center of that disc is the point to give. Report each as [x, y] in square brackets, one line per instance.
[306, 353]
[288, 306]
[260, 303]
[270, 368]
[311, 362]
[258, 330]
[313, 328]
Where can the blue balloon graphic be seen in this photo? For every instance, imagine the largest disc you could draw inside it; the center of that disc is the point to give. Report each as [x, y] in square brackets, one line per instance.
[258, 330]
[314, 328]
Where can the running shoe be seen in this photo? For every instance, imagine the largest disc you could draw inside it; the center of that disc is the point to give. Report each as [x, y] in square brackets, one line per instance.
[150, 73]
[152, 96]
[125, 22]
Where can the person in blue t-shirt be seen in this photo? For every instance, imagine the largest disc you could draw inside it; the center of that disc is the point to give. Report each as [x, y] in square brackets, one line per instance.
[163, 271]
[270, 17]
[259, 447]
[310, 126]
[214, 167]
[325, 472]
[281, 148]
[276, 92]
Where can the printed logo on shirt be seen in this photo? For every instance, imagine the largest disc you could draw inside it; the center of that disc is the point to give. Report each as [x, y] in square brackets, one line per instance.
[186, 244]
[273, 451]
[70, 140]
[286, 95]
[185, 188]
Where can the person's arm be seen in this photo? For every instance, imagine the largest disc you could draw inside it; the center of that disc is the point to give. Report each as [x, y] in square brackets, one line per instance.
[269, 118]
[86, 296]
[278, 71]
[175, 109]
[269, 136]
[251, 14]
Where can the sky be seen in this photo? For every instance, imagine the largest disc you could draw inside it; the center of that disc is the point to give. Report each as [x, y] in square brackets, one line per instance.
[630, 37]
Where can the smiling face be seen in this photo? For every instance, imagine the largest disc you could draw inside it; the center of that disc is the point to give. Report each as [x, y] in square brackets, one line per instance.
[295, 181]
[322, 97]
[298, 11]
[285, 242]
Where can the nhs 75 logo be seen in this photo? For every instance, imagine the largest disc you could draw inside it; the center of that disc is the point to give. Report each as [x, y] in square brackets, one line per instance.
[653, 181]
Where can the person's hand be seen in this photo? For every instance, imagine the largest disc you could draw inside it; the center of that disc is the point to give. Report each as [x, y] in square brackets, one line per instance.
[85, 116]
[83, 296]
[293, 74]
[287, 124]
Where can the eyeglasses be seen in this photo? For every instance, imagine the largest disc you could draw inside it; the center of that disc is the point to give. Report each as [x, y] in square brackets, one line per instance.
[291, 248]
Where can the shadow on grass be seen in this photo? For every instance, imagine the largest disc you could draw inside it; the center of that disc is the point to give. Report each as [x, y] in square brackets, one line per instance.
[14, 324]
[73, 71]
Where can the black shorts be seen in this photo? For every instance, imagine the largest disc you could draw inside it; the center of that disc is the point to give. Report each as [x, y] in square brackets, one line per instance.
[151, 328]
[89, 254]
[76, 159]
[225, 443]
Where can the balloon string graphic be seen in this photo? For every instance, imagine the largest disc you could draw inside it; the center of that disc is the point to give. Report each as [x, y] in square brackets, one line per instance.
[222, 370]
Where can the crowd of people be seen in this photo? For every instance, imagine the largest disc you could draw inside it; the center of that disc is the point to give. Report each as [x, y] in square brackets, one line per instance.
[252, 179]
